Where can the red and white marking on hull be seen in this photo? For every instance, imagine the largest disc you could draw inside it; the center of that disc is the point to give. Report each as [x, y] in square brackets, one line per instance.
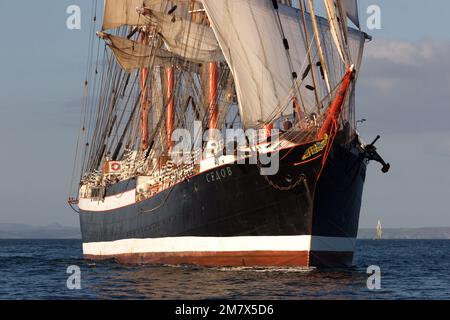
[225, 251]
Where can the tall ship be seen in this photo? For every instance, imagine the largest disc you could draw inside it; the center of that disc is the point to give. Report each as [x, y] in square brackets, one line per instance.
[222, 133]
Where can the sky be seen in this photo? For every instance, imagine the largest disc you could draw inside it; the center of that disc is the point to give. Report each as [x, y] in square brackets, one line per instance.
[403, 92]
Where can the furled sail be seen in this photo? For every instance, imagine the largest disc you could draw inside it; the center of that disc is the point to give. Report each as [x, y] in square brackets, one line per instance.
[191, 41]
[132, 55]
[254, 49]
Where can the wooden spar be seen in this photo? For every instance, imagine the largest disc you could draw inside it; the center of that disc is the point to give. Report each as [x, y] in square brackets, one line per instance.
[144, 101]
[335, 108]
[170, 111]
[319, 46]
[212, 96]
[298, 112]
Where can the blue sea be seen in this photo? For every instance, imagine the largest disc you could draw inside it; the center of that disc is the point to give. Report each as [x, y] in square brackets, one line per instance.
[37, 269]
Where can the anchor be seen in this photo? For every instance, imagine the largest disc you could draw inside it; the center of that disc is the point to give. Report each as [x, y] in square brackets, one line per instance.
[370, 153]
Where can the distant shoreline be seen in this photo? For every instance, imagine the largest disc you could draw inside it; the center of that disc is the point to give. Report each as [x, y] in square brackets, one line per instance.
[12, 231]
[428, 233]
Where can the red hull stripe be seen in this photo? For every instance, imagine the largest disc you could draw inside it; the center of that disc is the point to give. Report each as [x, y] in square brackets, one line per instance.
[213, 259]
[237, 259]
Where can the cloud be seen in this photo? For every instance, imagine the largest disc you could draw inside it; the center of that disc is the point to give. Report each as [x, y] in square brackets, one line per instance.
[405, 87]
[406, 53]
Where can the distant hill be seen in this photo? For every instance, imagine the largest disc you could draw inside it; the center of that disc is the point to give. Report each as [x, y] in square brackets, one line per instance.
[407, 233]
[52, 231]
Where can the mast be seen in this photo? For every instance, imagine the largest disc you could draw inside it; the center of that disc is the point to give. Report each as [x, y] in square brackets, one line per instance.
[212, 95]
[319, 46]
[298, 112]
[144, 100]
[170, 112]
[212, 81]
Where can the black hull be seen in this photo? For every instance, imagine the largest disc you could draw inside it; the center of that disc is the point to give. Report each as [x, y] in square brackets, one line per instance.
[236, 201]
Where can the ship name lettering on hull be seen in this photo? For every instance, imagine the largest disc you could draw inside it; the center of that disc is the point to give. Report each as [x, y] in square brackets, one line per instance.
[219, 174]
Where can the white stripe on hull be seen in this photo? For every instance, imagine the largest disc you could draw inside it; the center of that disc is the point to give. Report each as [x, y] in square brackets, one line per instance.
[109, 203]
[219, 244]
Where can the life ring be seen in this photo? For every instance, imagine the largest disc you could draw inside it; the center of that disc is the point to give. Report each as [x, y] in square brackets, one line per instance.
[115, 166]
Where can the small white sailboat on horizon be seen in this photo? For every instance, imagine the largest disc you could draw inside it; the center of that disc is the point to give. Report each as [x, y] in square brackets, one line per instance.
[379, 231]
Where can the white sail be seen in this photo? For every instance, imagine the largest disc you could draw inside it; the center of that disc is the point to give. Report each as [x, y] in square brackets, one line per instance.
[178, 8]
[118, 13]
[379, 230]
[335, 27]
[351, 9]
[192, 41]
[132, 55]
[121, 12]
[253, 47]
